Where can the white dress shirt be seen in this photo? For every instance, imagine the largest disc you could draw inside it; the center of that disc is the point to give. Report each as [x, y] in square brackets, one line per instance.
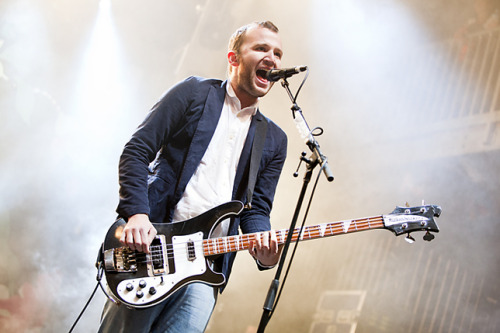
[212, 183]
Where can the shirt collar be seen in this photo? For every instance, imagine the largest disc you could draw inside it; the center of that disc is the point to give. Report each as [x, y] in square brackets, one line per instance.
[252, 109]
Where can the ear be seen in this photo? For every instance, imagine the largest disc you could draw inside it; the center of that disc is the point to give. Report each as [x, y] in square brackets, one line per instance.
[232, 59]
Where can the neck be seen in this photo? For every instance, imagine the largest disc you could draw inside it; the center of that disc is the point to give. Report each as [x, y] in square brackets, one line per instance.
[245, 99]
[215, 246]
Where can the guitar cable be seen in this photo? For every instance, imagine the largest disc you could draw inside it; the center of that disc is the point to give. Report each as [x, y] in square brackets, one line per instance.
[99, 276]
[100, 272]
[84, 308]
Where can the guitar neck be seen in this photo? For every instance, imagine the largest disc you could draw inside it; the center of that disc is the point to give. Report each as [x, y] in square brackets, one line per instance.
[215, 246]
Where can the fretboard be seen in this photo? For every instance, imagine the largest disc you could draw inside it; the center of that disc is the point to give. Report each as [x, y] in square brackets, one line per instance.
[215, 246]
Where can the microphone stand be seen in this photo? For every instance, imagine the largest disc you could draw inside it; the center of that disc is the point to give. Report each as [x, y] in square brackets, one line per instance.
[316, 158]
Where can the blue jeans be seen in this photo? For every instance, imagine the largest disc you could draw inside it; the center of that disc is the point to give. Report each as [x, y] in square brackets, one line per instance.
[187, 310]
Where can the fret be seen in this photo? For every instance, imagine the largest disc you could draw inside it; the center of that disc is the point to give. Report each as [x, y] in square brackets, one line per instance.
[313, 230]
[237, 242]
[318, 231]
[248, 237]
[331, 227]
[206, 247]
[219, 245]
[331, 230]
[282, 236]
[214, 245]
[299, 234]
[242, 242]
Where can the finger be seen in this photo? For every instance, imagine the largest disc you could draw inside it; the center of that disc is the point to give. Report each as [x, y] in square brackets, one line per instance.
[137, 240]
[148, 239]
[127, 239]
[258, 239]
[274, 242]
[144, 245]
[151, 235]
[265, 240]
[250, 246]
[122, 236]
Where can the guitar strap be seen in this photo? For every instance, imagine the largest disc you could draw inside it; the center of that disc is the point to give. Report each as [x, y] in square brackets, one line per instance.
[255, 157]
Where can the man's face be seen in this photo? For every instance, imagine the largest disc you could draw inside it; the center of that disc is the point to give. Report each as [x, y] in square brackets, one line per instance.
[260, 51]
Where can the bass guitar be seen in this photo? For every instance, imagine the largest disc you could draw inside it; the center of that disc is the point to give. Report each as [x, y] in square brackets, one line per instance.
[182, 252]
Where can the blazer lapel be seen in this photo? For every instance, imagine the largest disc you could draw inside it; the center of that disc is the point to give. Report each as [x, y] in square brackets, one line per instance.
[204, 132]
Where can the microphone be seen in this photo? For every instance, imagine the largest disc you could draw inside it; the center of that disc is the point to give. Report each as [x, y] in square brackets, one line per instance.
[276, 74]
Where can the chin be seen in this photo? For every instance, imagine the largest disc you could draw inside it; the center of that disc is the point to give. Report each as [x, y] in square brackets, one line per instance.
[261, 91]
[264, 92]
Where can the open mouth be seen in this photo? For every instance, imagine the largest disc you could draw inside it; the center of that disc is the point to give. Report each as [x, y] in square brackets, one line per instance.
[261, 74]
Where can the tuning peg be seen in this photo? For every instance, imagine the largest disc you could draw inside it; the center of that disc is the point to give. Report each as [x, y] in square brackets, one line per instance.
[428, 236]
[410, 239]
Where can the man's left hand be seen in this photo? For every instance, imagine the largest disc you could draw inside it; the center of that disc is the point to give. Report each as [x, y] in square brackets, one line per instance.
[265, 248]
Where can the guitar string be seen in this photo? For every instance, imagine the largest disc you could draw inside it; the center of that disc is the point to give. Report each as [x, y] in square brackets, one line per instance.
[312, 231]
[237, 242]
[220, 244]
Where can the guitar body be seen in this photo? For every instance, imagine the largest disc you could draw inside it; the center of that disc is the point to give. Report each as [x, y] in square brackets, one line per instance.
[177, 258]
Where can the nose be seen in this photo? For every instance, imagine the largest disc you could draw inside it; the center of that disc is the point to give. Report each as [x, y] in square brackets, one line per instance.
[271, 60]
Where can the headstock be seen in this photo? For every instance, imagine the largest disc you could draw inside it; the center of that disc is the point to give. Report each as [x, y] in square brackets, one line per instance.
[405, 220]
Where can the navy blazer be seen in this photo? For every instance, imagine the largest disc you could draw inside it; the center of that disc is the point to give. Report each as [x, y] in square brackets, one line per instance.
[164, 152]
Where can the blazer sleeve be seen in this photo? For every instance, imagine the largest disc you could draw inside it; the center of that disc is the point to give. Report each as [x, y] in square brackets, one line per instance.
[257, 218]
[142, 148]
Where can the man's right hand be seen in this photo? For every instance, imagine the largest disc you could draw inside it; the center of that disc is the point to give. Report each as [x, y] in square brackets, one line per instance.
[138, 233]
